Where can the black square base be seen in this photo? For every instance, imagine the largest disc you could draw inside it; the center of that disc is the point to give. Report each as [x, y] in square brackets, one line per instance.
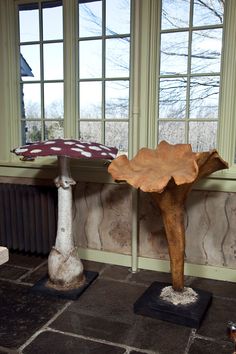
[150, 304]
[72, 294]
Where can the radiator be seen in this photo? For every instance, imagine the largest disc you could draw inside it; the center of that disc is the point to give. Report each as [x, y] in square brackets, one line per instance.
[28, 217]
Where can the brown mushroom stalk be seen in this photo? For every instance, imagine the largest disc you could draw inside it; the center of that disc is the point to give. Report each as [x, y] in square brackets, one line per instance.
[168, 173]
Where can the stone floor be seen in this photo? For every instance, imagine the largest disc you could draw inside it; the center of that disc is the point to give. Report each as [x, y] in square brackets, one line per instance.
[102, 321]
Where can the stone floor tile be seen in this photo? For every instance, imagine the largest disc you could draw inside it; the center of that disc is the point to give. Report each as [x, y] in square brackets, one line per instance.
[55, 343]
[93, 266]
[201, 346]
[36, 275]
[105, 311]
[218, 288]
[147, 277]
[215, 323]
[160, 336]
[23, 313]
[26, 260]
[116, 272]
[11, 272]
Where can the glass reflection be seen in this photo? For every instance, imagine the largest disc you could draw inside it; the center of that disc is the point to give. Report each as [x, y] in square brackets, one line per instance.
[208, 12]
[204, 97]
[90, 19]
[173, 132]
[117, 135]
[117, 57]
[202, 135]
[174, 53]
[117, 17]
[31, 101]
[53, 61]
[53, 130]
[90, 100]
[30, 62]
[32, 131]
[206, 51]
[53, 101]
[90, 131]
[90, 62]
[52, 20]
[117, 99]
[175, 14]
[29, 22]
[172, 98]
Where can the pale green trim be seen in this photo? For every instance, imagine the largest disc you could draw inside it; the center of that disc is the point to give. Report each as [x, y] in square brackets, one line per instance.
[195, 270]
[226, 131]
[105, 257]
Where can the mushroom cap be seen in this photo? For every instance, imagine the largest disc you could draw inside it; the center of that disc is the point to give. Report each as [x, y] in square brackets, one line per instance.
[152, 169]
[67, 147]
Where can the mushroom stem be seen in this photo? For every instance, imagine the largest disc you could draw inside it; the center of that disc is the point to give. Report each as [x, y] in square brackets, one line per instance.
[64, 265]
[171, 205]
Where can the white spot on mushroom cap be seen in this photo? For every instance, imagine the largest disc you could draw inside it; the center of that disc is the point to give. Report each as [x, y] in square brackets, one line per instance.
[35, 151]
[112, 155]
[104, 154]
[76, 149]
[49, 142]
[55, 148]
[105, 147]
[86, 153]
[69, 142]
[95, 148]
[80, 146]
[21, 150]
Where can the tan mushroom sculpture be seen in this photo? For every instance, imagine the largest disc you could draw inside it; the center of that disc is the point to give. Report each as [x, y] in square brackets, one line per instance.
[65, 268]
[168, 173]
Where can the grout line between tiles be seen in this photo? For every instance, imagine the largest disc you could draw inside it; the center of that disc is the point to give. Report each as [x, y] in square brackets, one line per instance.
[103, 341]
[32, 270]
[44, 327]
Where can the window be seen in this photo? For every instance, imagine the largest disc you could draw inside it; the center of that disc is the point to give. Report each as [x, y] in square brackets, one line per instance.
[41, 70]
[104, 75]
[102, 68]
[190, 72]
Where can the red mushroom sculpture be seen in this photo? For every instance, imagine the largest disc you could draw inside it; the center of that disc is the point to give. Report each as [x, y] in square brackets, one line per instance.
[65, 268]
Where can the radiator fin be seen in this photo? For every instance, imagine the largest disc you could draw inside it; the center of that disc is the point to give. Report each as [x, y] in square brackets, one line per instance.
[28, 217]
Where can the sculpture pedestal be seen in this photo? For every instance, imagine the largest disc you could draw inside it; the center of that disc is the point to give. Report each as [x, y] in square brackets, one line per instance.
[72, 294]
[150, 304]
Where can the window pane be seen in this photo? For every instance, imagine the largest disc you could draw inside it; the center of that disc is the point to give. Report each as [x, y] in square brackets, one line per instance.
[53, 101]
[52, 20]
[33, 131]
[175, 14]
[204, 97]
[31, 101]
[53, 61]
[90, 100]
[117, 57]
[29, 22]
[202, 135]
[172, 98]
[174, 53]
[90, 62]
[117, 99]
[206, 51]
[90, 19]
[30, 62]
[117, 16]
[54, 130]
[90, 131]
[116, 134]
[208, 12]
[173, 132]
